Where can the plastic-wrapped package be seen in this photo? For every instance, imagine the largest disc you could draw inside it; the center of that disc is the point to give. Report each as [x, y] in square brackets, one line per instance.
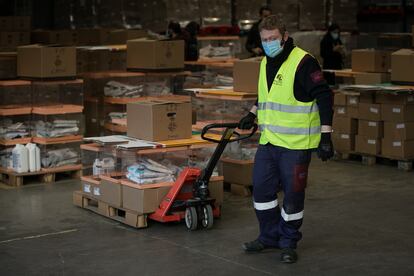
[65, 92]
[15, 127]
[58, 155]
[98, 159]
[6, 161]
[57, 125]
[219, 109]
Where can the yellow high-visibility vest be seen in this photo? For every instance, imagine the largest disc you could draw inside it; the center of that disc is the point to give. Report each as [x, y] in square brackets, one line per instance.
[283, 120]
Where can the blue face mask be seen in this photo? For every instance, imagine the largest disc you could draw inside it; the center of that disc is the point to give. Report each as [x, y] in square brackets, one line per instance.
[272, 48]
[335, 36]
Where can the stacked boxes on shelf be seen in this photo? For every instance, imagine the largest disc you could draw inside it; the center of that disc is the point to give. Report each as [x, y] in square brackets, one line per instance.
[372, 66]
[15, 117]
[58, 121]
[384, 120]
[14, 31]
[345, 123]
[397, 112]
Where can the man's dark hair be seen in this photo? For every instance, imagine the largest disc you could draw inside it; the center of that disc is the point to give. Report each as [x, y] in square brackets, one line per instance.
[333, 27]
[264, 8]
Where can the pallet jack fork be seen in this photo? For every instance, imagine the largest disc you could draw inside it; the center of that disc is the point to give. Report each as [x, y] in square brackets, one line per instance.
[189, 197]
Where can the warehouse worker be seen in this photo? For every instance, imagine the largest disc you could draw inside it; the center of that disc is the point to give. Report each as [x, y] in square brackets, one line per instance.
[254, 43]
[332, 52]
[294, 111]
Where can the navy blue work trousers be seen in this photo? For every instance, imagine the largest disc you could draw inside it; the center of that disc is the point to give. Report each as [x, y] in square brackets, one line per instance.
[279, 169]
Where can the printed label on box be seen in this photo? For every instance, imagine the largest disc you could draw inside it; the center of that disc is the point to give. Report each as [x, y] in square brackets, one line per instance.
[372, 142]
[96, 191]
[372, 124]
[341, 110]
[396, 110]
[373, 110]
[400, 126]
[344, 136]
[87, 188]
[396, 144]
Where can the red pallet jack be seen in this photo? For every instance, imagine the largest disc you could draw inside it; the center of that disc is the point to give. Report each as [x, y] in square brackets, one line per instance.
[189, 197]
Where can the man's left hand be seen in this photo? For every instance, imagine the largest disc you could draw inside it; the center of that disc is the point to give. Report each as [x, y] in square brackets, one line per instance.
[325, 148]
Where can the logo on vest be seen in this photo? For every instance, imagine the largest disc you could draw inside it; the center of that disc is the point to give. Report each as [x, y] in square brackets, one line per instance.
[278, 80]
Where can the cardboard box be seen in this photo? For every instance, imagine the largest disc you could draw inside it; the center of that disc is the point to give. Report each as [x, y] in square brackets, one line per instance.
[122, 36]
[399, 149]
[6, 23]
[77, 199]
[363, 97]
[397, 113]
[371, 129]
[99, 36]
[142, 201]
[339, 99]
[9, 39]
[372, 78]
[383, 98]
[399, 131]
[346, 111]
[367, 145]
[371, 112]
[343, 142]
[345, 125]
[155, 54]
[246, 75]
[61, 37]
[8, 65]
[111, 191]
[370, 60]
[238, 171]
[37, 61]
[22, 23]
[159, 120]
[401, 60]
[215, 186]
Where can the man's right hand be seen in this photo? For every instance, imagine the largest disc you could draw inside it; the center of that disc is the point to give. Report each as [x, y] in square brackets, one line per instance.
[258, 51]
[247, 121]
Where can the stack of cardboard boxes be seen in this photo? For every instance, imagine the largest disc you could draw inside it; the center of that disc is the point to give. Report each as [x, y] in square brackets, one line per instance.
[372, 66]
[14, 31]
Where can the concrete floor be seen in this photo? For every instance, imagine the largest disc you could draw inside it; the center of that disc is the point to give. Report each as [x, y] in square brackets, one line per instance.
[358, 220]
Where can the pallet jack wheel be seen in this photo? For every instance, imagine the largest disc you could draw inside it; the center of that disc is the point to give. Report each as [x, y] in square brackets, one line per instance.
[207, 218]
[191, 218]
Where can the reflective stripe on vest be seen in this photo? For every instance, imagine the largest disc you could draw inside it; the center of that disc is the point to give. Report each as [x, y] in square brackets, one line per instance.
[283, 120]
[288, 108]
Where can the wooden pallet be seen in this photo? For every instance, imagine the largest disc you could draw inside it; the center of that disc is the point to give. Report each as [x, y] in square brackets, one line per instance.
[15, 179]
[370, 160]
[121, 215]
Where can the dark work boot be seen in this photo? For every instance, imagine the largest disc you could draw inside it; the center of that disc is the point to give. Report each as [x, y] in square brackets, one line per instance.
[288, 256]
[255, 246]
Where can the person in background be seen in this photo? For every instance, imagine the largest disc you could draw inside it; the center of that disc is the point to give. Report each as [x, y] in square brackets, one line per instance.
[254, 43]
[175, 32]
[192, 29]
[332, 52]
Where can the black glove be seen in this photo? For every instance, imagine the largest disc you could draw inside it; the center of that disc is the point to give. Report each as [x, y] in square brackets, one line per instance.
[247, 121]
[325, 149]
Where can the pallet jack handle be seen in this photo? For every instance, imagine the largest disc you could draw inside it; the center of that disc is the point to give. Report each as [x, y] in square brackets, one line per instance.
[228, 133]
[227, 137]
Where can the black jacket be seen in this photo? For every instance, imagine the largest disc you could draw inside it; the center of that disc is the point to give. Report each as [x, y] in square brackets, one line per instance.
[253, 38]
[309, 82]
[331, 59]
